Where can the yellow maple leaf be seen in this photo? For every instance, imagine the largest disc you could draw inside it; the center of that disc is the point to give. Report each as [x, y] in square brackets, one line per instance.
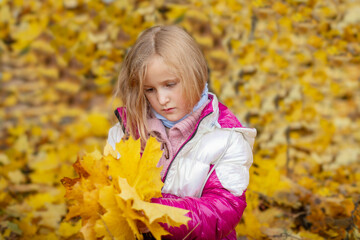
[52, 216]
[148, 181]
[140, 172]
[125, 167]
[16, 176]
[66, 86]
[99, 124]
[309, 235]
[154, 213]
[67, 229]
[28, 31]
[111, 195]
[251, 226]
[113, 222]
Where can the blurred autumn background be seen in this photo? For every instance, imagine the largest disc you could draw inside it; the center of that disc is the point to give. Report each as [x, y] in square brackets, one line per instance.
[290, 69]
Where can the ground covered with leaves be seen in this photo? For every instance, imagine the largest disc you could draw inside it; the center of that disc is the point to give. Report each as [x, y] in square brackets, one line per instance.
[289, 68]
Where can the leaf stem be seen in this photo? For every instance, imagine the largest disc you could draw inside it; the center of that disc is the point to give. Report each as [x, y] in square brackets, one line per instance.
[106, 227]
[191, 231]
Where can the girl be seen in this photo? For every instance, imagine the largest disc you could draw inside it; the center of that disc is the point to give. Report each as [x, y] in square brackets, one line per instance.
[206, 151]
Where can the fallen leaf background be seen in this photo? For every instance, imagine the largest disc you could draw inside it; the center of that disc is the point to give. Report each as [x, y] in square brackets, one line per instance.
[291, 69]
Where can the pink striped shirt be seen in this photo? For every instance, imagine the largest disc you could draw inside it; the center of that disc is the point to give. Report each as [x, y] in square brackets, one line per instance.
[173, 138]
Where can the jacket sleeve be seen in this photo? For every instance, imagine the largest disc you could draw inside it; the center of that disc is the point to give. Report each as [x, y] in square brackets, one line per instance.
[213, 216]
[114, 136]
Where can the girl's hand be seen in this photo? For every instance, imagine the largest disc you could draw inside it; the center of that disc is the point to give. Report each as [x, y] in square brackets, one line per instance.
[142, 227]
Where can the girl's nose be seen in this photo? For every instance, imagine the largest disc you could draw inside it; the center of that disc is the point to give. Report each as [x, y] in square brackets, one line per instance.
[163, 98]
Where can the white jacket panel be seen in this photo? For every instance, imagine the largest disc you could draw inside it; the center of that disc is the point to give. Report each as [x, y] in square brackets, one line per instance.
[114, 136]
[232, 169]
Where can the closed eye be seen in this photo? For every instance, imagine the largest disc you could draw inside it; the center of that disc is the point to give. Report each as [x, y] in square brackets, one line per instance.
[149, 90]
[169, 85]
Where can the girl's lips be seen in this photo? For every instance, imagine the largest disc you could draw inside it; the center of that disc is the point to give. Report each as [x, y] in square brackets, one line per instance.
[168, 110]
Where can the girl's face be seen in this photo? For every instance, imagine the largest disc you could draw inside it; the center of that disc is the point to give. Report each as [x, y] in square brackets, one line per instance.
[163, 91]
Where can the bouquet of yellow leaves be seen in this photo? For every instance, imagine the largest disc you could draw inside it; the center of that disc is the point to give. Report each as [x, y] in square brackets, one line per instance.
[111, 195]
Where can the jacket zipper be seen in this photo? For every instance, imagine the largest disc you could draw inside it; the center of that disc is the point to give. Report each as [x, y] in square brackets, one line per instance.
[192, 136]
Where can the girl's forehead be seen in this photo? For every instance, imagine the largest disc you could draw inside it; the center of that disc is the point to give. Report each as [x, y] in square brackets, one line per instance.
[158, 72]
[159, 60]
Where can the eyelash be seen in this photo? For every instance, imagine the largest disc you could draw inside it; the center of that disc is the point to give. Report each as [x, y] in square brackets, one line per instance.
[169, 85]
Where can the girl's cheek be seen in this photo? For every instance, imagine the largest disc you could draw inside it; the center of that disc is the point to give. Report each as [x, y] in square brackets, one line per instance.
[151, 101]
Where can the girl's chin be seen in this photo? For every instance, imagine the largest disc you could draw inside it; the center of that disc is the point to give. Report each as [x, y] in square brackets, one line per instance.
[173, 119]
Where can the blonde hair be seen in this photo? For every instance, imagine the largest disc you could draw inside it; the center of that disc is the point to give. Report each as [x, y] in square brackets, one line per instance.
[183, 57]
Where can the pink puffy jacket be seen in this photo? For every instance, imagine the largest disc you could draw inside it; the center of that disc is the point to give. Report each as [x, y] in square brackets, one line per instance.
[222, 201]
[213, 216]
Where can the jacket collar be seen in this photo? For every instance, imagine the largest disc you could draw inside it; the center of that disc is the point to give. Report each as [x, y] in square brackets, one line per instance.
[220, 115]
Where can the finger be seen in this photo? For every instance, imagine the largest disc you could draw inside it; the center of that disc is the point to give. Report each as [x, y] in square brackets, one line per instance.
[142, 227]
